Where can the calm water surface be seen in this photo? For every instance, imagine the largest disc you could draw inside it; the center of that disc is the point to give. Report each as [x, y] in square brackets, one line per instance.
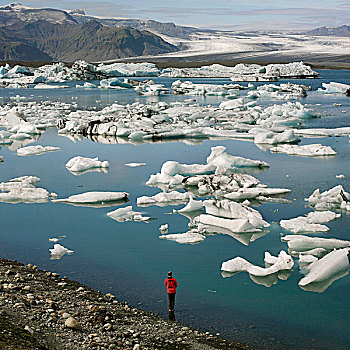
[130, 261]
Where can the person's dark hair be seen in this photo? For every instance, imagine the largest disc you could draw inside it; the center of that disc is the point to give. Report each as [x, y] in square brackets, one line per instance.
[170, 274]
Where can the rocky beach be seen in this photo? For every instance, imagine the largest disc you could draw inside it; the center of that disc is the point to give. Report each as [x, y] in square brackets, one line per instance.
[42, 310]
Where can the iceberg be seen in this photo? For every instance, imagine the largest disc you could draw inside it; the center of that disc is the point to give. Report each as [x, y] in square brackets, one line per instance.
[164, 199]
[134, 165]
[234, 225]
[22, 189]
[95, 197]
[220, 158]
[313, 150]
[127, 214]
[334, 88]
[282, 262]
[79, 164]
[301, 243]
[309, 223]
[335, 198]
[272, 138]
[234, 210]
[58, 251]
[36, 150]
[331, 264]
[191, 237]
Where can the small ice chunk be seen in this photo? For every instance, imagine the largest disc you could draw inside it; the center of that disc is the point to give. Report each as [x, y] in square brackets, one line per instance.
[36, 150]
[79, 164]
[164, 199]
[126, 214]
[190, 237]
[340, 176]
[133, 165]
[163, 228]
[58, 251]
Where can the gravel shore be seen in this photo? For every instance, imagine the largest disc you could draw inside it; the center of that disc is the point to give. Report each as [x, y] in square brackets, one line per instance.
[41, 310]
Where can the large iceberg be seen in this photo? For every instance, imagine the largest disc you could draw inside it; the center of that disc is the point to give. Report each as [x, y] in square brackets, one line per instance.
[323, 269]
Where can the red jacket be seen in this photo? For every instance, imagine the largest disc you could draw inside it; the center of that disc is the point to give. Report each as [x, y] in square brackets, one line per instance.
[170, 284]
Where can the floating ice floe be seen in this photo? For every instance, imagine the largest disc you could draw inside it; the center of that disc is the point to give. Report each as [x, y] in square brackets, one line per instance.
[335, 198]
[114, 83]
[334, 88]
[134, 165]
[244, 72]
[340, 176]
[164, 199]
[191, 237]
[219, 158]
[58, 251]
[320, 132]
[164, 228]
[127, 214]
[272, 138]
[23, 189]
[95, 198]
[314, 150]
[233, 225]
[36, 150]
[301, 243]
[273, 264]
[334, 264]
[86, 85]
[255, 192]
[233, 210]
[49, 86]
[310, 223]
[80, 164]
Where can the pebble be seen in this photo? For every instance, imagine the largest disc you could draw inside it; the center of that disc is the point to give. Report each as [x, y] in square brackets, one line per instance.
[73, 324]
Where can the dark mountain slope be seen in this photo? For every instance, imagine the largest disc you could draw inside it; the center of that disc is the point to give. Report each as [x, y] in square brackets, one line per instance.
[90, 41]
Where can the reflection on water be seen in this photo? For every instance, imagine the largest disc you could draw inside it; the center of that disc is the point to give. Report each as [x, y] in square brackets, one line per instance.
[320, 287]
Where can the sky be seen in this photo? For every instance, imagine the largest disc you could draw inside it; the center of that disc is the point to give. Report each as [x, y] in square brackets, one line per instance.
[217, 14]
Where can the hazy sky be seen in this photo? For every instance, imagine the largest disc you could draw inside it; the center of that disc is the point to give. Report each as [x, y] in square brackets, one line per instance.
[221, 14]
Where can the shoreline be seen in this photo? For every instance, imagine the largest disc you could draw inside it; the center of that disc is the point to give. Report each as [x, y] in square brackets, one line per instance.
[41, 310]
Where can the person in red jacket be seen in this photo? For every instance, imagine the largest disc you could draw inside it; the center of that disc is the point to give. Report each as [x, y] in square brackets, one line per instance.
[171, 285]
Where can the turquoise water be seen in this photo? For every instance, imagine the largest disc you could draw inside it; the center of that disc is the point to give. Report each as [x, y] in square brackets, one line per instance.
[130, 261]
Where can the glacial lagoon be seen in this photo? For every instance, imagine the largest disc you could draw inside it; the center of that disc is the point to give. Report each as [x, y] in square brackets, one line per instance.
[130, 261]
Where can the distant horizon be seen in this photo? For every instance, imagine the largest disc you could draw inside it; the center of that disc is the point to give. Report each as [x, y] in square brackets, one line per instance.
[227, 15]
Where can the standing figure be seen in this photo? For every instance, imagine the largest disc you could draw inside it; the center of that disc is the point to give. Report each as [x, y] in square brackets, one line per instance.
[171, 285]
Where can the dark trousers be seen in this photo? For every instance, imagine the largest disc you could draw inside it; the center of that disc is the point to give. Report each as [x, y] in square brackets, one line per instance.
[171, 301]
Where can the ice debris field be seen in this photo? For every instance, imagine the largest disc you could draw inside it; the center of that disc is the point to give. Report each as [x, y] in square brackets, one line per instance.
[219, 196]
